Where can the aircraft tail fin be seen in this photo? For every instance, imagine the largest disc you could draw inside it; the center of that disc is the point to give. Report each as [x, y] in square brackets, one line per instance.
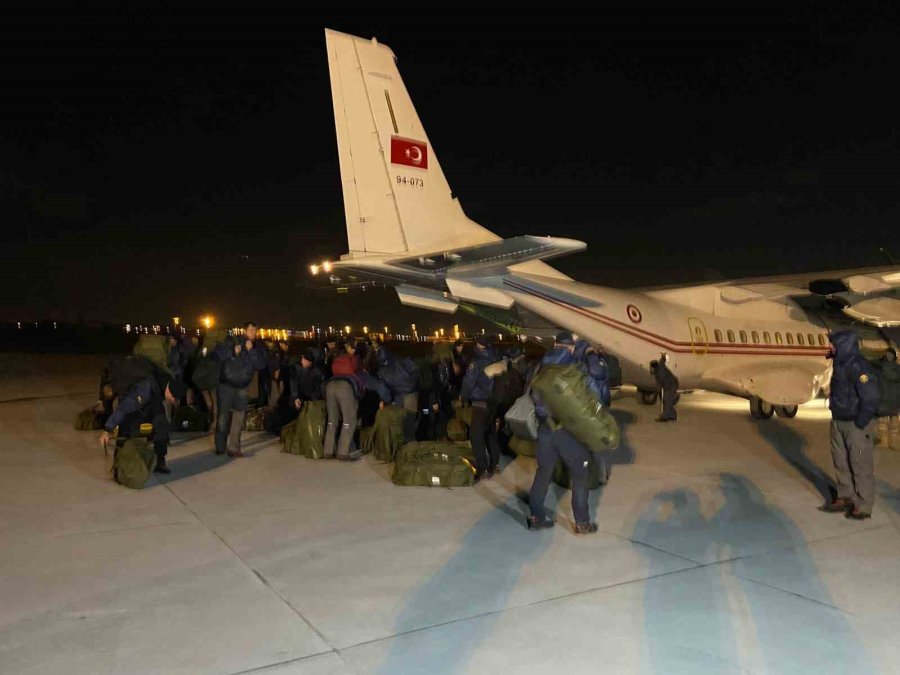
[396, 198]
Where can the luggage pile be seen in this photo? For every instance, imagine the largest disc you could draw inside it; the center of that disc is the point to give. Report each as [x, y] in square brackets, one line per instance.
[434, 464]
[305, 436]
[387, 433]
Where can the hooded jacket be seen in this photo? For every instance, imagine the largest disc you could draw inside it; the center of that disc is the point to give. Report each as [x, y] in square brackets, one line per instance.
[854, 387]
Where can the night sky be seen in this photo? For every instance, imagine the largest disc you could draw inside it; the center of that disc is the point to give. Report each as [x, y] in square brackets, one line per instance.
[177, 163]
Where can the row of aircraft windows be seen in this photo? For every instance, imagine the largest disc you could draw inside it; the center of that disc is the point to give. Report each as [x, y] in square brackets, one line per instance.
[788, 338]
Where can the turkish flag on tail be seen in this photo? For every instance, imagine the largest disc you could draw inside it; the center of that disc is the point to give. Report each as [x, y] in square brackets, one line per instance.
[409, 152]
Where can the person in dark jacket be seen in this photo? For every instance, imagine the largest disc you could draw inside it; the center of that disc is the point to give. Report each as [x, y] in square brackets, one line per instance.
[144, 402]
[477, 389]
[668, 383]
[555, 443]
[306, 380]
[854, 403]
[887, 430]
[240, 356]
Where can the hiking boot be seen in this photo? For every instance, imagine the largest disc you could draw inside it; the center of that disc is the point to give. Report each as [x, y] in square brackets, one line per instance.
[535, 524]
[585, 528]
[839, 505]
[161, 467]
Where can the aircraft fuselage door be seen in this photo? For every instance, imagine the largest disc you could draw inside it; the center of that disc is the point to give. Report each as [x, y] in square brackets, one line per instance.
[699, 339]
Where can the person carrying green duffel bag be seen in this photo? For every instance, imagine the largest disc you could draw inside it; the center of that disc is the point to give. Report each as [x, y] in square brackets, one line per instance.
[572, 422]
[387, 436]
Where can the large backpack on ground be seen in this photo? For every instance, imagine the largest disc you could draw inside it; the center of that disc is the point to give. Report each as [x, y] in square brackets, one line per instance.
[366, 439]
[598, 473]
[288, 433]
[187, 418]
[310, 430]
[155, 349]
[434, 464]
[388, 432]
[566, 393]
[255, 420]
[134, 462]
[88, 420]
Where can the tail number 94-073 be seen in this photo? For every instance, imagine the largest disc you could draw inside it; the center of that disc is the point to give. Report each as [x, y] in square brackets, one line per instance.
[411, 182]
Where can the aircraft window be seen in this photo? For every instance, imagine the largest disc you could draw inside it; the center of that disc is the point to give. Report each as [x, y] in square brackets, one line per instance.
[811, 339]
[800, 339]
[790, 338]
[767, 338]
[778, 339]
[743, 336]
[755, 337]
[718, 335]
[821, 340]
[731, 336]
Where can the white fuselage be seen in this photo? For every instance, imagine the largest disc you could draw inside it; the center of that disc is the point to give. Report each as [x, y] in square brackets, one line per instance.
[772, 350]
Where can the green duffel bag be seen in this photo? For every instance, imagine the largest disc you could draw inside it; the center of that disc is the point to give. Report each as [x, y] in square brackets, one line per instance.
[522, 447]
[87, 420]
[205, 375]
[388, 432]
[432, 471]
[597, 473]
[457, 430]
[154, 348]
[464, 415]
[310, 433]
[187, 418]
[288, 431]
[134, 462]
[565, 392]
[424, 450]
[255, 419]
[366, 439]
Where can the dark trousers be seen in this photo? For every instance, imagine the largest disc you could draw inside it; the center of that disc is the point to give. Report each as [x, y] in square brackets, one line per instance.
[669, 397]
[264, 388]
[483, 434]
[551, 447]
[231, 408]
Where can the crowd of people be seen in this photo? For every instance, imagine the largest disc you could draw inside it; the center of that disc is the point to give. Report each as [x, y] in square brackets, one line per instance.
[355, 378]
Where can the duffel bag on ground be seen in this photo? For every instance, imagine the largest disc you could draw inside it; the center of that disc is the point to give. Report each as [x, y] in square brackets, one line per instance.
[424, 450]
[464, 415]
[288, 432]
[457, 430]
[522, 447]
[366, 439]
[88, 420]
[388, 432]
[134, 463]
[598, 473]
[187, 418]
[432, 471]
[255, 419]
[565, 391]
[310, 433]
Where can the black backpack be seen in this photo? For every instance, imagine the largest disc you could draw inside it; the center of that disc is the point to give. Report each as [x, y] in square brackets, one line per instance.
[507, 387]
[237, 373]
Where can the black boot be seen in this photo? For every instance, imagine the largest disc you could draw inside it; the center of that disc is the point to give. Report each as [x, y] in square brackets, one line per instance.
[535, 524]
[161, 466]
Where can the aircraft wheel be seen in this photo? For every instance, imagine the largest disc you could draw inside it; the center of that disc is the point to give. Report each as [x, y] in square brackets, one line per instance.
[760, 409]
[786, 411]
[648, 397]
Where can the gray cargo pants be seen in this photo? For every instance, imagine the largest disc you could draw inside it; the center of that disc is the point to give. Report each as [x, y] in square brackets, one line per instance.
[342, 406]
[854, 463]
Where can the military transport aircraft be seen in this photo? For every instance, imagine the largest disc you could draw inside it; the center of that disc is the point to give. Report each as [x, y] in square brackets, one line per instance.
[763, 339]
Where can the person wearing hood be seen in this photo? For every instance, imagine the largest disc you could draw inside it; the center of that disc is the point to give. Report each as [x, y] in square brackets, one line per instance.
[555, 443]
[477, 389]
[854, 403]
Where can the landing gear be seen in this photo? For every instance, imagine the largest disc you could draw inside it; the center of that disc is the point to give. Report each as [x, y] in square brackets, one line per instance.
[786, 411]
[761, 410]
[648, 397]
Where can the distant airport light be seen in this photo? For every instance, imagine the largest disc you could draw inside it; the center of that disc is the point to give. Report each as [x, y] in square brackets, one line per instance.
[314, 269]
[176, 320]
[326, 266]
[442, 332]
[366, 330]
[385, 330]
[207, 321]
[347, 330]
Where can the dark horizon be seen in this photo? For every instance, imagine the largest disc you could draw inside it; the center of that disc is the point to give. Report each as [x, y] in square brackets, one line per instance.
[177, 163]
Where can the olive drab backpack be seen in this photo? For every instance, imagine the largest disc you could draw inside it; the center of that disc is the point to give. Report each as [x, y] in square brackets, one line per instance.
[134, 462]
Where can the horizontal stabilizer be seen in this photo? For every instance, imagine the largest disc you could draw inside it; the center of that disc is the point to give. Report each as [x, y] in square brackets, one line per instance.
[424, 298]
